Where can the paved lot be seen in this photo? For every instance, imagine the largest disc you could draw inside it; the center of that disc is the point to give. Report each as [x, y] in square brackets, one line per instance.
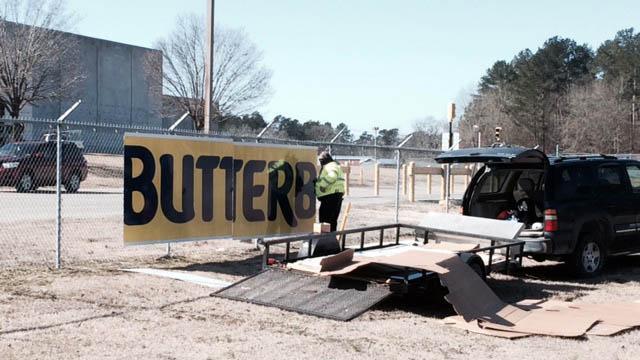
[41, 205]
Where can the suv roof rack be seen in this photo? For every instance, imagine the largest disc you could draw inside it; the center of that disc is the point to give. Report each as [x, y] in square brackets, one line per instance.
[585, 157]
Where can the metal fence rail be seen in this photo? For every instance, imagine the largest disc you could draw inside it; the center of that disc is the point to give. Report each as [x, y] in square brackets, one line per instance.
[61, 190]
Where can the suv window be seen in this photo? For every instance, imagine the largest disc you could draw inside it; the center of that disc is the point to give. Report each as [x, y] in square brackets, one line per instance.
[48, 150]
[71, 152]
[634, 176]
[573, 182]
[493, 181]
[610, 179]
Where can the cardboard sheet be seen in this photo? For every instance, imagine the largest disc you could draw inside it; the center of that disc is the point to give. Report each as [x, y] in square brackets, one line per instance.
[480, 310]
[560, 323]
[474, 327]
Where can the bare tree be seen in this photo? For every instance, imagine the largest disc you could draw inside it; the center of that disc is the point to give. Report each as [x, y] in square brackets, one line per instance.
[427, 133]
[240, 81]
[34, 55]
[597, 121]
[487, 112]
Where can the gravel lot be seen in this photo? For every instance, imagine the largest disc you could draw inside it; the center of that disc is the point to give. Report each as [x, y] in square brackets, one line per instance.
[91, 309]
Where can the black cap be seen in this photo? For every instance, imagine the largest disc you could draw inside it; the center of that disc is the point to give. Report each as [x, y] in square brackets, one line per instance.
[325, 158]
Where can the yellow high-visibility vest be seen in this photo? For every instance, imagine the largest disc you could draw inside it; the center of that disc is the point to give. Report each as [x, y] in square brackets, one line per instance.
[330, 180]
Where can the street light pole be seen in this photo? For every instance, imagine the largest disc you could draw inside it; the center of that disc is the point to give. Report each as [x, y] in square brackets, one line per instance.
[208, 75]
[375, 143]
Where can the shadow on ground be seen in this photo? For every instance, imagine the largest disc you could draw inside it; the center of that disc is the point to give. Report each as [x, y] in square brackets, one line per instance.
[245, 267]
[619, 269]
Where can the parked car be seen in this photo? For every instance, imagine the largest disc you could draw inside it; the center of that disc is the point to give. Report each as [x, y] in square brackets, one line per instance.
[579, 209]
[31, 164]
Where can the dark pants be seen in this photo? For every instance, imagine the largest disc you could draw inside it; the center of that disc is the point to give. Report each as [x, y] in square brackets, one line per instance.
[330, 209]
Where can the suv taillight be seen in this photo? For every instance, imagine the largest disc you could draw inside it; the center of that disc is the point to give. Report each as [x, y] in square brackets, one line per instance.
[550, 220]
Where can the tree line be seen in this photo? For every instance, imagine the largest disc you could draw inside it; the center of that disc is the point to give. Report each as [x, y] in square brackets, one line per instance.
[563, 94]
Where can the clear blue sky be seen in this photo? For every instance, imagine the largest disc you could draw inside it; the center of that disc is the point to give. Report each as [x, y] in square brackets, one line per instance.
[366, 62]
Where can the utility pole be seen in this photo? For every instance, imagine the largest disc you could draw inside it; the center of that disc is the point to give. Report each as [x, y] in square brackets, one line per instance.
[451, 115]
[208, 74]
[633, 118]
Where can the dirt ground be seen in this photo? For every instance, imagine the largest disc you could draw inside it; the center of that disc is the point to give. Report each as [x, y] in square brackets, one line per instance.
[92, 309]
[101, 312]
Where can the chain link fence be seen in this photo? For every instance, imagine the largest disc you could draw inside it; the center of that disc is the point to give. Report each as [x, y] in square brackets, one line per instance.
[89, 227]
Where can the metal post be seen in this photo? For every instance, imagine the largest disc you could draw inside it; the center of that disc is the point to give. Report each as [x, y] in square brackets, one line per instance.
[58, 194]
[168, 250]
[375, 143]
[336, 138]
[479, 139]
[179, 121]
[633, 117]
[398, 176]
[447, 191]
[208, 76]
[59, 181]
[447, 188]
[264, 131]
[397, 185]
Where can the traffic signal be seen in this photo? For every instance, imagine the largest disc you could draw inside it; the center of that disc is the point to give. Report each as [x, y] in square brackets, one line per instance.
[498, 131]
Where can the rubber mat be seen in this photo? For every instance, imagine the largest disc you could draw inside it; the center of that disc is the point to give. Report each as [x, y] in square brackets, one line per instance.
[323, 296]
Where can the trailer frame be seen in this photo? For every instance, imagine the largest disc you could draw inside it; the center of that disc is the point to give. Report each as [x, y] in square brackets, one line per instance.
[495, 243]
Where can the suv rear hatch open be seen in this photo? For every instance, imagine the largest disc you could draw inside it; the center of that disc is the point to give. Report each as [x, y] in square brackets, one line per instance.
[504, 154]
[499, 189]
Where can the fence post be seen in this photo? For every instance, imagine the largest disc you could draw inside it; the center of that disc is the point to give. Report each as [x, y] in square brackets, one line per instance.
[376, 180]
[397, 186]
[429, 184]
[412, 181]
[361, 174]
[59, 182]
[467, 176]
[58, 194]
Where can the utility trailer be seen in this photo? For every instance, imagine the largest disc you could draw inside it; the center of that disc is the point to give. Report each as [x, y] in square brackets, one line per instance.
[347, 296]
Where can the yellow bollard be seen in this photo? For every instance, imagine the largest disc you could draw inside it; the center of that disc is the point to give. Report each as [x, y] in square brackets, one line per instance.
[347, 178]
[443, 184]
[412, 181]
[403, 173]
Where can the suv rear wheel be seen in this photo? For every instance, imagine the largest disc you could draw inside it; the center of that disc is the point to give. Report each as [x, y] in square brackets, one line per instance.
[25, 184]
[73, 183]
[590, 254]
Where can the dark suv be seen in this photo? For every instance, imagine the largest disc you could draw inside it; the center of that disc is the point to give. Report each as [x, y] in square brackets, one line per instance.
[28, 165]
[579, 209]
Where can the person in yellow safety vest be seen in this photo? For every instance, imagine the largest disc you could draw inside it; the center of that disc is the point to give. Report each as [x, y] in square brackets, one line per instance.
[329, 187]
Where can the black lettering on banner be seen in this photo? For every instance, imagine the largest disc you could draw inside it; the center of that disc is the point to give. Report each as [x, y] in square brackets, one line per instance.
[252, 191]
[142, 184]
[305, 189]
[230, 166]
[207, 164]
[279, 195]
[166, 189]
